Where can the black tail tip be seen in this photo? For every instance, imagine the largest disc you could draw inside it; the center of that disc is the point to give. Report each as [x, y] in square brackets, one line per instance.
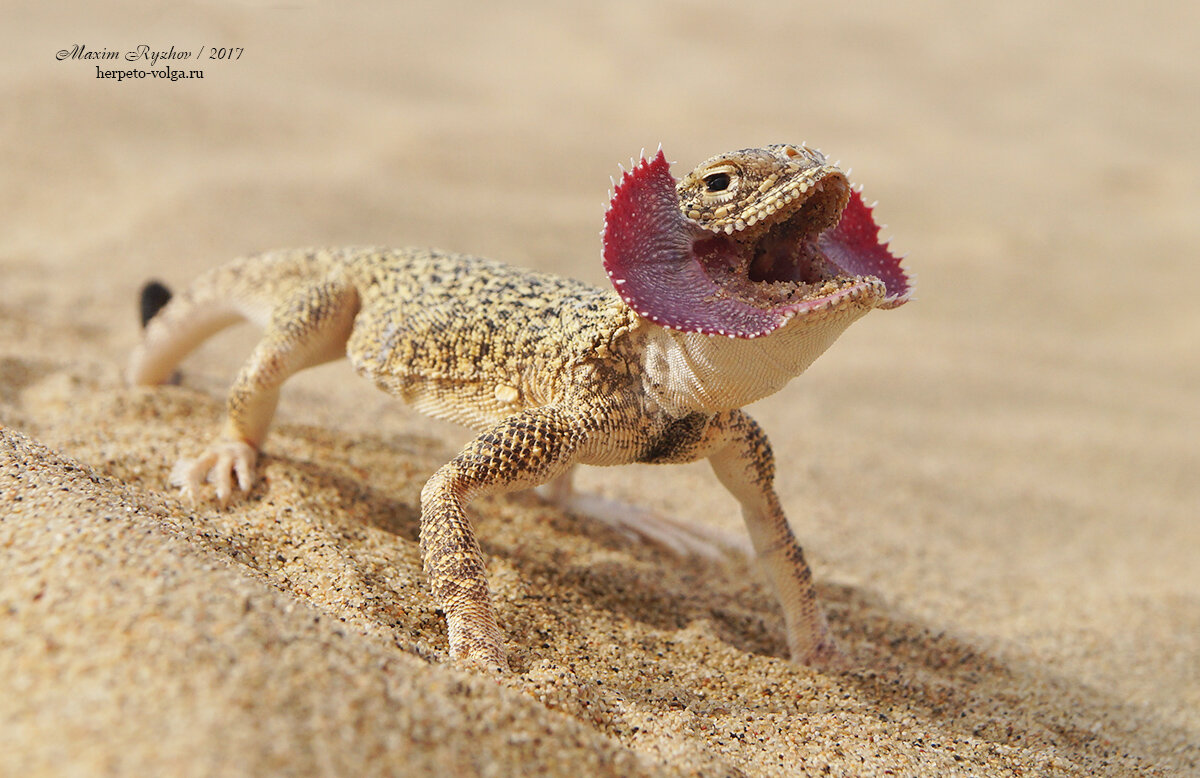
[154, 296]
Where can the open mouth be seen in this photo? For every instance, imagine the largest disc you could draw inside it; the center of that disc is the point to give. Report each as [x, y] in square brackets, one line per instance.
[775, 261]
[744, 266]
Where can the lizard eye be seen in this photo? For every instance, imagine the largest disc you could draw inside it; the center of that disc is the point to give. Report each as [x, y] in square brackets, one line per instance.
[717, 182]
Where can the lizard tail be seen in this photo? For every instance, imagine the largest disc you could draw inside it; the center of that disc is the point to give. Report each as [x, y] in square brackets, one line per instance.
[175, 325]
[247, 289]
[172, 327]
[155, 295]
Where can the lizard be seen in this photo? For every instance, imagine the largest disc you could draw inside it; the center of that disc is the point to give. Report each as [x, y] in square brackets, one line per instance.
[726, 284]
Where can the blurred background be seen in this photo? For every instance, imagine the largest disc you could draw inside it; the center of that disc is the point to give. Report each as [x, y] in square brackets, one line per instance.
[1015, 451]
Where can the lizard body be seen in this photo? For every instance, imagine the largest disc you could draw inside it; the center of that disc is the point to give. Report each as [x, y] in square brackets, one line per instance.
[725, 287]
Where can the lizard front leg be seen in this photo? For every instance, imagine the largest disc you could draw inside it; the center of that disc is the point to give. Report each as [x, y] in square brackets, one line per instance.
[527, 449]
[745, 465]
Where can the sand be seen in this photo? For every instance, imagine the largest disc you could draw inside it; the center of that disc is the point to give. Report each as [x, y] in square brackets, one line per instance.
[996, 484]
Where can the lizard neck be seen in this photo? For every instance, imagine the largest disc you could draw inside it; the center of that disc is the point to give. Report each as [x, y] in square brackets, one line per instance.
[687, 372]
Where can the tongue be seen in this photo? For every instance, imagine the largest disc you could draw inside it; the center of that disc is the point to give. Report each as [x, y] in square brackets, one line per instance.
[649, 258]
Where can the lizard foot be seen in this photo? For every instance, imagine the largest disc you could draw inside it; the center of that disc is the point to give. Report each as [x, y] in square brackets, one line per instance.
[220, 462]
[476, 642]
[826, 657]
[488, 662]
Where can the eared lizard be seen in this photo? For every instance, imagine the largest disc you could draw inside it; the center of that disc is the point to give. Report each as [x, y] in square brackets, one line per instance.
[726, 285]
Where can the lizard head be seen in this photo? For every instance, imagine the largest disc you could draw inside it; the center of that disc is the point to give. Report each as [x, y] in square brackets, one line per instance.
[745, 243]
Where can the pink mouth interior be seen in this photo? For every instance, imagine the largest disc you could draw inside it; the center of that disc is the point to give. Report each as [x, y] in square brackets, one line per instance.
[677, 274]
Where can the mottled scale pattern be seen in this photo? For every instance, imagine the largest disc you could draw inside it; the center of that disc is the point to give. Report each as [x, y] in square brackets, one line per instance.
[474, 340]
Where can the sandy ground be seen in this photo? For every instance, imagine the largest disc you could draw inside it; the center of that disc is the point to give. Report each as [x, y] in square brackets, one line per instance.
[996, 484]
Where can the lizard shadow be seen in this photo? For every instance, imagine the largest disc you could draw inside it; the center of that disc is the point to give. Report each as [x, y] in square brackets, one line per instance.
[904, 664]
[904, 667]
[901, 666]
[343, 503]
[319, 510]
[354, 502]
[642, 580]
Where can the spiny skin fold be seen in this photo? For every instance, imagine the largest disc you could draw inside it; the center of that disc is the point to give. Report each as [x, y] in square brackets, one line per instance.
[745, 242]
[769, 248]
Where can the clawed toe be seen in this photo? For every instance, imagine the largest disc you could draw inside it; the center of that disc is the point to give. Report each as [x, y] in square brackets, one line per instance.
[218, 465]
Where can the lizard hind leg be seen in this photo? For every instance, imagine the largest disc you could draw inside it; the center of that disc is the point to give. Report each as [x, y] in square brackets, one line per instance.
[247, 289]
[641, 524]
[308, 327]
